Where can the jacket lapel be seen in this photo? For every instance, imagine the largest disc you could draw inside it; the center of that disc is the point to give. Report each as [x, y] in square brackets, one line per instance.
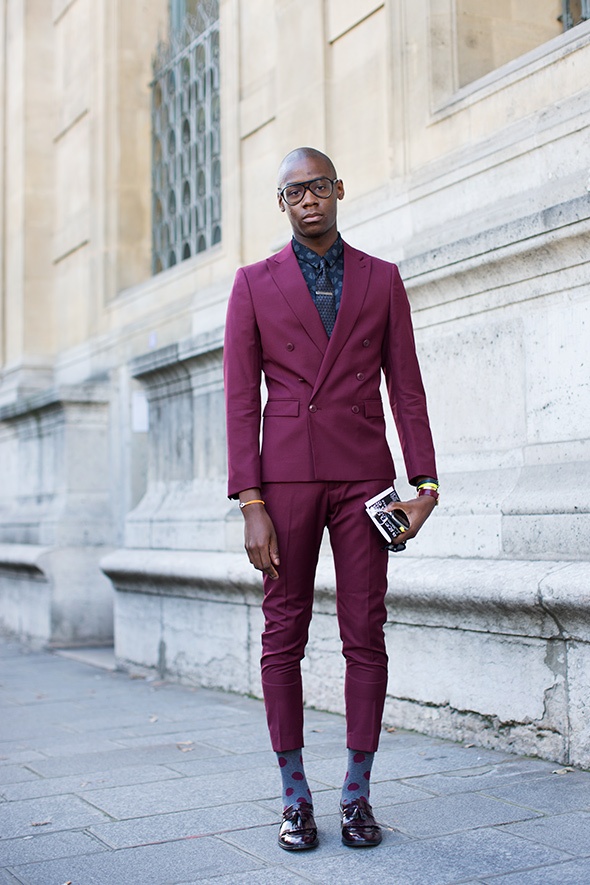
[285, 271]
[357, 269]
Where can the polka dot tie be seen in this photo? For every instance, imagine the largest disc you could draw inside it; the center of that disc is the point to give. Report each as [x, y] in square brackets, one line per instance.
[324, 298]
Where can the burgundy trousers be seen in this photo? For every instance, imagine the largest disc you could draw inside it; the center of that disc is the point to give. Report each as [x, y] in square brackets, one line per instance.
[300, 511]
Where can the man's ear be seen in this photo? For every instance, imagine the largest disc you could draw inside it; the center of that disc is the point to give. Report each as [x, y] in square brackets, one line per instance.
[281, 203]
[340, 189]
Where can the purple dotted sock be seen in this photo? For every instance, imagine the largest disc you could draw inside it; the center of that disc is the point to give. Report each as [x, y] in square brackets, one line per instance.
[295, 786]
[357, 780]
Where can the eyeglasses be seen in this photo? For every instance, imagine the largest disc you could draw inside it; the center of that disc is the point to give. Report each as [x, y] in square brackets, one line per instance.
[320, 187]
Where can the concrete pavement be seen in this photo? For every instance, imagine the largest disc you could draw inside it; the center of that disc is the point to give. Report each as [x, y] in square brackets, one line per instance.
[111, 780]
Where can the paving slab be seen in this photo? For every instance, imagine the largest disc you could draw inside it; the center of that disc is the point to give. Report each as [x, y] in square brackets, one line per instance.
[85, 763]
[444, 861]
[484, 777]
[575, 872]
[16, 774]
[184, 825]
[82, 783]
[33, 849]
[191, 767]
[552, 794]
[569, 832]
[46, 815]
[171, 863]
[106, 778]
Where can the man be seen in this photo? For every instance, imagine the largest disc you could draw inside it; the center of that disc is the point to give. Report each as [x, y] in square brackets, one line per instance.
[321, 321]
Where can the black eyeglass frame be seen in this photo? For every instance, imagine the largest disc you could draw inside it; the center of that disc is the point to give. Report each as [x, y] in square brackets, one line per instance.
[307, 186]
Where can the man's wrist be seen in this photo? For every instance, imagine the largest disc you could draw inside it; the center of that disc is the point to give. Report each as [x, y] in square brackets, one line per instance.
[427, 486]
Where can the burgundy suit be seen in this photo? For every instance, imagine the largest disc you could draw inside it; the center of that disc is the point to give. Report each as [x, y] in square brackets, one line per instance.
[323, 453]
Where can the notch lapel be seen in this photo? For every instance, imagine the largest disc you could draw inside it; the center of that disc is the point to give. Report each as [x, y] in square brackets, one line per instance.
[285, 271]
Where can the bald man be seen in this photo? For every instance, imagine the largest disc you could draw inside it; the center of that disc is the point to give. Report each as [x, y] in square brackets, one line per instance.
[321, 322]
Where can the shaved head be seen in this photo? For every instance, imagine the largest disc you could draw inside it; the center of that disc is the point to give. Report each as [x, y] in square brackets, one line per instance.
[300, 154]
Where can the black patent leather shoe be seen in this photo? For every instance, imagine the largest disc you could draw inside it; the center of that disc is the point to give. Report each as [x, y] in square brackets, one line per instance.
[298, 831]
[359, 827]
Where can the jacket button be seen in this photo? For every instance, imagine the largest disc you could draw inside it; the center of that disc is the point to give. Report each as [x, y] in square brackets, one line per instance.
[366, 342]
[360, 376]
[290, 346]
[313, 408]
[356, 410]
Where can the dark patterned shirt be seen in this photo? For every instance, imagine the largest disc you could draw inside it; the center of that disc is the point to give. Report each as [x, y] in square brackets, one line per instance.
[309, 262]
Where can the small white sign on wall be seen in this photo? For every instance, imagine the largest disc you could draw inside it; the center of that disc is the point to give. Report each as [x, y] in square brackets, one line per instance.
[140, 412]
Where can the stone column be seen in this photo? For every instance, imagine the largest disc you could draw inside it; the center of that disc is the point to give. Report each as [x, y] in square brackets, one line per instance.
[55, 518]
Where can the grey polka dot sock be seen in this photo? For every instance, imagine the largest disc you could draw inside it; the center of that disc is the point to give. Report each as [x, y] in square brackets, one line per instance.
[357, 780]
[295, 786]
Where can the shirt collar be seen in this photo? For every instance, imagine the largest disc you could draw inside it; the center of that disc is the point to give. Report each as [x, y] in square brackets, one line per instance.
[304, 253]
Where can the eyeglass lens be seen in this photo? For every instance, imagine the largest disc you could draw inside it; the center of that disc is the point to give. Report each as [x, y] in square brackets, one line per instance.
[320, 187]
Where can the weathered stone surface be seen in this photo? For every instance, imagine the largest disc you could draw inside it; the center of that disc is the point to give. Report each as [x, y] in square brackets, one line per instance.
[524, 681]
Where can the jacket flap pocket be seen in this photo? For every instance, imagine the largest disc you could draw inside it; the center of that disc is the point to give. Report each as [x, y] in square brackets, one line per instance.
[281, 408]
[373, 408]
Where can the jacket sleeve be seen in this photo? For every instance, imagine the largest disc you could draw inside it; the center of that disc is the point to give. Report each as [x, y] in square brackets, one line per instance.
[242, 364]
[404, 385]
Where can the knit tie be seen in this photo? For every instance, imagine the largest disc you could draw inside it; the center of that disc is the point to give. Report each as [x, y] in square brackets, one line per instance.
[324, 298]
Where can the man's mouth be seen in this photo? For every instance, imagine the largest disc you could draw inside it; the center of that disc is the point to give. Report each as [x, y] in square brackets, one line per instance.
[313, 216]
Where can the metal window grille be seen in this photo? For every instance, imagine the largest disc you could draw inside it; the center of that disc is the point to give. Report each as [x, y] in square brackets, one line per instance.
[186, 139]
[574, 12]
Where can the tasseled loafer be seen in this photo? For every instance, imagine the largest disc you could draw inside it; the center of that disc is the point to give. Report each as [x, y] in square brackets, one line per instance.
[298, 831]
[359, 827]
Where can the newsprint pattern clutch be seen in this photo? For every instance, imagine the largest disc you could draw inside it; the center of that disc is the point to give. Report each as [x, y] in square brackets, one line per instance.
[390, 524]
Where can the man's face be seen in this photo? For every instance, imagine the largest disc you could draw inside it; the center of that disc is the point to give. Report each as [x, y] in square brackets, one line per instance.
[314, 218]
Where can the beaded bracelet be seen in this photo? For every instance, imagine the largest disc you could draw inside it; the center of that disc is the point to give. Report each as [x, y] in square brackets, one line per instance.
[253, 501]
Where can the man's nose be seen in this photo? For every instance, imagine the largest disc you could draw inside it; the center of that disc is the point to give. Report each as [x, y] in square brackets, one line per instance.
[309, 198]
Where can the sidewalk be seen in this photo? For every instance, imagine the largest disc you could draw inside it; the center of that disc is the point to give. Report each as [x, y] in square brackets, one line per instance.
[110, 780]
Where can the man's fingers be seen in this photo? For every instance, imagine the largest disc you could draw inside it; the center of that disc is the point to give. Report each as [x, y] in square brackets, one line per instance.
[265, 561]
[274, 553]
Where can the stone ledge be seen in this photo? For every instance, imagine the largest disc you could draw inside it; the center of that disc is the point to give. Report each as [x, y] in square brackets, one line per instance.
[26, 558]
[170, 356]
[54, 595]
[96, 392]
[483, 244]
[521, 598]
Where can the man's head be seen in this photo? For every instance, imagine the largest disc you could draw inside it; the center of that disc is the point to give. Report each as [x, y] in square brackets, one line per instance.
[313, 217]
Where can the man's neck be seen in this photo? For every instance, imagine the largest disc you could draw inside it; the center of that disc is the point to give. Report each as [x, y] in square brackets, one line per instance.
[319, 245]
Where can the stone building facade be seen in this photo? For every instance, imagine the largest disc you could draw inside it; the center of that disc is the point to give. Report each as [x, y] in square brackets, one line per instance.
[140, 142]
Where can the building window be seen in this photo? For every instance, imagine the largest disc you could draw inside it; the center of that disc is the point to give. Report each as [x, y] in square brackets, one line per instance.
[491, 34]
[574, 12]
[186, 148]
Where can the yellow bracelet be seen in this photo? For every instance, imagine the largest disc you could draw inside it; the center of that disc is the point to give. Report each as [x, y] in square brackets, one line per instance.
[253, 501]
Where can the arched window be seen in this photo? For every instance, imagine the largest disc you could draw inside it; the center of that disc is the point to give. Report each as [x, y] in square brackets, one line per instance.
[186, 154]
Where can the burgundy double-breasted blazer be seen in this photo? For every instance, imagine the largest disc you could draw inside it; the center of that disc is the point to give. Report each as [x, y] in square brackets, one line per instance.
[323, 419]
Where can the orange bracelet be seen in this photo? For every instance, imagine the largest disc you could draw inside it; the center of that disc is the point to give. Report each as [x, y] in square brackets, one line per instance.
[253, 501]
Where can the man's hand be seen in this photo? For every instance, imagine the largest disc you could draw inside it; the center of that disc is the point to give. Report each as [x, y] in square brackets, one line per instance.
[260, 538]
[417, 510]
